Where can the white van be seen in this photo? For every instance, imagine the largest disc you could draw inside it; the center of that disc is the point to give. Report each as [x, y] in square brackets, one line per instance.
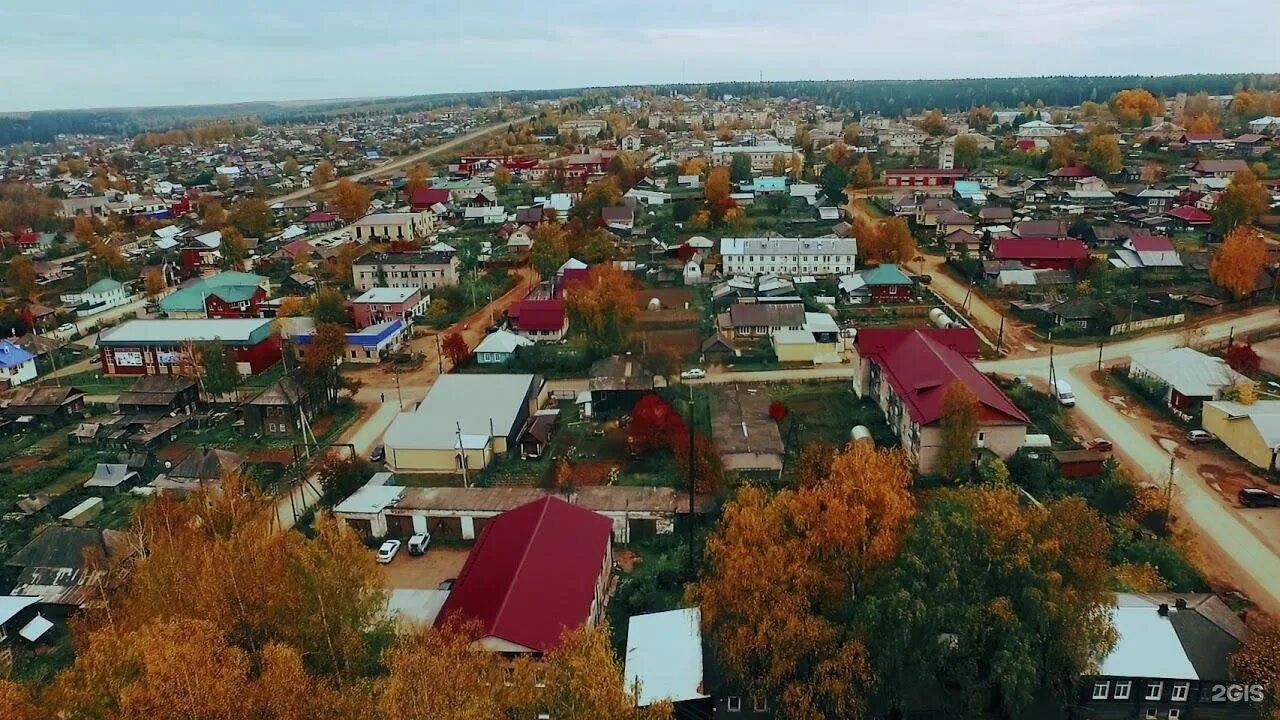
[418, 543]
[1061, 390]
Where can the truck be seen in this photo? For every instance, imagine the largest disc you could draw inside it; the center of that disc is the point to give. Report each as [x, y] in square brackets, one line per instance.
[1061, 390]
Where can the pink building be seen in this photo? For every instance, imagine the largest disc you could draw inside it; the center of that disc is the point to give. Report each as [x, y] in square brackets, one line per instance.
[381, 304]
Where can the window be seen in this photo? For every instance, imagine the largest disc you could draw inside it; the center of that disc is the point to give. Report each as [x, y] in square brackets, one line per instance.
[1174, 713]
[1101, 690]
[759, 704]
[1180, 692]
[1154, 690]
[734, 703]
[1122, 690]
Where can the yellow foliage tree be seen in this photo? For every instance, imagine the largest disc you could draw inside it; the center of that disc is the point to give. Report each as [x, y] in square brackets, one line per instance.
[1256, 662]
[323, 174]
[1132, 106]
[350, 200]
[959, 425]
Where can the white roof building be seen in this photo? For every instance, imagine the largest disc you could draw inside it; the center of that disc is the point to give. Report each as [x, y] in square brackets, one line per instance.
[664, 656]
[1147, 644]
[387, 295]
[502, 341]
[1187, 371]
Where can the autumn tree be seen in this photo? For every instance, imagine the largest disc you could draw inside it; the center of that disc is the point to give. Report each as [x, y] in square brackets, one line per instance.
[212, 214]
[887, 240]
[654, 425]
[933, 122]
[329, 306]
[603, 305]
[1242, 202]
[501, 179]
[967, 151]
[717, 193]
[863, 176]
[550, 248]
[1135, 107]
[233, 249]
[1062, 151]
[21, 277]
[980, 118]
[251, 217]
[416, 177]
[959, 429]
[455, 348]
[1255, 661]
[153, 283]
[1103, 155]
[350, 200]
[1237, 262]
[433, 672]
[1242, 358]
[322, 174]
[784, 574]
[290, 167]
[976, 559]
[814, 463]
[324, 351]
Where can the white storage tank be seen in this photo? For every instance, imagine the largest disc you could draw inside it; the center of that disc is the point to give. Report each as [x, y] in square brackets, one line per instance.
[938, 317]
[861, 434]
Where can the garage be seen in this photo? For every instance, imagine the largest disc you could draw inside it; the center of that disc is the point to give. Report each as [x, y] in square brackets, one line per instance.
[399, 526]
[363, 528]
[445, 528]
[639, 529]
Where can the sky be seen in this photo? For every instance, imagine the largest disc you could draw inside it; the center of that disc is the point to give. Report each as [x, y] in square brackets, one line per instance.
[128, 53]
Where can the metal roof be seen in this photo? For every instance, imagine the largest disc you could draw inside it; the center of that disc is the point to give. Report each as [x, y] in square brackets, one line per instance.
[664, 656]
[244, 331]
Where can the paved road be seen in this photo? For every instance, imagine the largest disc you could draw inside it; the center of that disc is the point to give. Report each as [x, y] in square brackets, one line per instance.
[405, 161]
[1229, 537]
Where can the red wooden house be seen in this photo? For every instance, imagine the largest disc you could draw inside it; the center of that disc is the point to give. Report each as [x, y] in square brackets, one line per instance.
[923, 177]
[1039, 253]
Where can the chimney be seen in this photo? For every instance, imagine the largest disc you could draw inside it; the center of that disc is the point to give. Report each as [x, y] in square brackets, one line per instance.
[1180, 603]
[1163, 610]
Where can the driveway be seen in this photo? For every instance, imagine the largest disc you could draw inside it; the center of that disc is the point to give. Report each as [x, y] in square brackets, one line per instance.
[425, 571]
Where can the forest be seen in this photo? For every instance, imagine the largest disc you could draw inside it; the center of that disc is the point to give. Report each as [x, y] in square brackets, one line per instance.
[883, 96]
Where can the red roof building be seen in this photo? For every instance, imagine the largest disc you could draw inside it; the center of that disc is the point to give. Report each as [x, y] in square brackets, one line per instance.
[539, 319]
[424, 198]
[877, 340]
[923, 177]
[907, 375]
[536, 571]
[1189, 215]
[1042, 253]
[1072, 172]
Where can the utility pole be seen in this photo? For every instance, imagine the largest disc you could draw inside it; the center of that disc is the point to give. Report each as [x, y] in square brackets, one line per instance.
[462, 456]
[399, 396]
[1168, 490]
[689, 524]
[1000, 336]
[1231, 336]
[439, 354]
[1099, 355]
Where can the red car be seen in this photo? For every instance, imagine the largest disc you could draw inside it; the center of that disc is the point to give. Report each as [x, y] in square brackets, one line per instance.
[1100, 445]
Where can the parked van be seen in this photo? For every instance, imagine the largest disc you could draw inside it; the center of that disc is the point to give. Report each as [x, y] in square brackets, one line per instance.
[1061, 390]
[418, 543]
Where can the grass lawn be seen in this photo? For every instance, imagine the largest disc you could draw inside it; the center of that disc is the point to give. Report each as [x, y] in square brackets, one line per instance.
[870, 208]
[827, 411]
[94, 382]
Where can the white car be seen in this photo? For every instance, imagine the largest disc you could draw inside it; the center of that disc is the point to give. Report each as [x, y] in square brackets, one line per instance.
[388, 551]
[693, 374]
[67, 328]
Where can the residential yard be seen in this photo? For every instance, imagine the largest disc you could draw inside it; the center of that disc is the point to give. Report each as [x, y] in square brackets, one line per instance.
[827, 411]
[94, 382]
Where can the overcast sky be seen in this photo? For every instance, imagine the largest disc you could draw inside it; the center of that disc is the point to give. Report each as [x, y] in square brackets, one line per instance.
[89, 53]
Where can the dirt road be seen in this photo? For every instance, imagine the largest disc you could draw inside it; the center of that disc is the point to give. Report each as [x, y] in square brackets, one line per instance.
[1239, 551]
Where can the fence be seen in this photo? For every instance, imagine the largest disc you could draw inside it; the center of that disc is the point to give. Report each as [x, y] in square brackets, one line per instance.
[1155, 322]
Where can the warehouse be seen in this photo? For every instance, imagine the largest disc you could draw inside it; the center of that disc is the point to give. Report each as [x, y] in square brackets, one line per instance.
[155, 347]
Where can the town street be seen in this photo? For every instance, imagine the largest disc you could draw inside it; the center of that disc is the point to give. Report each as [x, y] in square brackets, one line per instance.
[1229, 539]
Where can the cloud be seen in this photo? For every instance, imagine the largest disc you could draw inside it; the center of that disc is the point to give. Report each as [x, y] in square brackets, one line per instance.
[81, 53]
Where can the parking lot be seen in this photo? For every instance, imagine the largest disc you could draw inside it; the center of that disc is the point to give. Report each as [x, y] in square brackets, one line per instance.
[425, 571]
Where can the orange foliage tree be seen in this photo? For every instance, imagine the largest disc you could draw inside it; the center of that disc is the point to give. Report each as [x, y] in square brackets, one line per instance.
[1258, 661]
[1242, 202]
[959, 426]
[322, 174]
[783, 571]
[717, 191]
[1237, 262]
[604, 306]
[1131, 107]
[350, 200]
[884, 241]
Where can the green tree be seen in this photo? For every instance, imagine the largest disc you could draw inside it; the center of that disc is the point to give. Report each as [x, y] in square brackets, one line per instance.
[329, 306]
[959, 425]
[740, 168]
[834, 180]
[967, 151]
[21, 277]
[252, 217]
[550, 248]
[991, 604]
[219, 368]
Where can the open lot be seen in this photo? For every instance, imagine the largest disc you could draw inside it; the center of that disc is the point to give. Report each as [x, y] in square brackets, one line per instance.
[425, 571]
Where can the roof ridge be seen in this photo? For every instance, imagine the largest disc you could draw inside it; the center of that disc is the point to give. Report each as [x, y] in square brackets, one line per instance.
[545, 501]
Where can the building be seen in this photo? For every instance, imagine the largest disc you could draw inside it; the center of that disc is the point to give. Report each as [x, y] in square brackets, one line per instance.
[16, 365]
[922, 177]
[664, 659]
[1037, 253]
[742, 430]
[280, 409]
[1170, 661]
[763, 319]
[1251, 431]
[544, 319]
[380, 304]
[761, 156]
[887, 283]
[788, 256]
[64, 566]
[464, 421]
[230, 294]
[155, 347]
[499, 346]
[1189, 376]
[156, 396]
[1146, 252]
[44, 405]
[1220, 168]
[907, 376]
[536, 571]
[421, 269]
[102, 295]
[393, 226]
[370, 345]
